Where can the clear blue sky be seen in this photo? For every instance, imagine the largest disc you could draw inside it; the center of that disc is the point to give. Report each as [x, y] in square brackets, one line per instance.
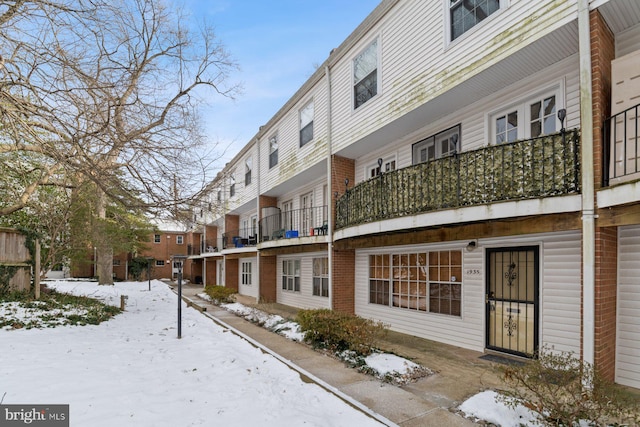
[278, 44]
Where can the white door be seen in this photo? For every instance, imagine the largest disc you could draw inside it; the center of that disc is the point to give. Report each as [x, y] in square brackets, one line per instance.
[306, 203]
[628, 323]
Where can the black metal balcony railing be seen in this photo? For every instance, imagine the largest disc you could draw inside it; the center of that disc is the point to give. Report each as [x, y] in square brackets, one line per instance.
[240, 238]
[621, 156]
[204, 247]
[540, 167]
[294, 223]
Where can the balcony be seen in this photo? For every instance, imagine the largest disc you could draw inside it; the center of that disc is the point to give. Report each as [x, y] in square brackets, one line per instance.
[621, 157]
[294, 223]
[534, 168]
[203, 248]
[244, 237]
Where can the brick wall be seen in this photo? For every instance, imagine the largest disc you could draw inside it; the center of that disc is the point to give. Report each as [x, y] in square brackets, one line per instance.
[341, 168]
[606, 300]
[268, 278]
[231, 273]
[343, 277]
[267, 202]
[602, 53]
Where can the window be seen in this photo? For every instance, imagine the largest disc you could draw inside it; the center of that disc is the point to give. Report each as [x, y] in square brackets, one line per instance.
[437, 146]
[321, 277]
[156, 238]
[246, 273]
[388, 165]
[530, 119]
[247, 171]
[465, 14]
[365, 75]
[179, 240]
[379, 279]
[232, 186]
[159, 263]
[116, 262]
[445, 282]
[422, 281]
[291, 275]
[219, 195]
[306, 124]
[273, 151]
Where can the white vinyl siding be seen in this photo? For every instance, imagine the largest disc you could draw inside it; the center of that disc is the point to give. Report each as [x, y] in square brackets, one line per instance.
[413, 57]
[292, 160]
[628, 331]
[559, 294]
[305, 298]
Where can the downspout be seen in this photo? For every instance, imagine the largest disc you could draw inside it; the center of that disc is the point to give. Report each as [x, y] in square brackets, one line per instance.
[259, 215]
[330, 198]
[588, 187]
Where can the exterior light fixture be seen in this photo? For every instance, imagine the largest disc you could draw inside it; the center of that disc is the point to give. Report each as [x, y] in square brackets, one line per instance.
[562, 114]
[454, 141]
[346, 183]
[472, 245]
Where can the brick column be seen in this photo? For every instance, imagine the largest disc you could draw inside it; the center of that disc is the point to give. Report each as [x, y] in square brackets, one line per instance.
[606, 300]
[343, 277]
[606, 258]
[343, 262]
[231, 273]
[268, 279]
[602, 53]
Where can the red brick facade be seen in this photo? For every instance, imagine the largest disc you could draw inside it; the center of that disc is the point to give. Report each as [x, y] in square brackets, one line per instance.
[231, 273]
[268, 278]
[344, 277]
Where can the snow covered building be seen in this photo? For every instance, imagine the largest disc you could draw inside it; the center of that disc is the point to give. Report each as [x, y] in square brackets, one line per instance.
[465, 171]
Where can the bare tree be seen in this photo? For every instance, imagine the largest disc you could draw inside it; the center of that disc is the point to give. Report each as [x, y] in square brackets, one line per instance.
[109, 90]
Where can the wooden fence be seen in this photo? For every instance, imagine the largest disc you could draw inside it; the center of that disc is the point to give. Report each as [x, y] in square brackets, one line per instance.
[15, 269]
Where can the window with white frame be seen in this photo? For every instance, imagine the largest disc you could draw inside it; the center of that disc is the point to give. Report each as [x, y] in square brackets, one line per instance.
[532, 118]
[156, 238]
[232, 185]
[436, 146]
[421, 281]
[321, 277]
[116, 262]
[306, 124]
[466, 14]
[273, 151]
[248, 165]
[219, 195]
[159, 263]
[388, 165]
[365, 75]
[246, 273]
[291, 275]
[179, 239]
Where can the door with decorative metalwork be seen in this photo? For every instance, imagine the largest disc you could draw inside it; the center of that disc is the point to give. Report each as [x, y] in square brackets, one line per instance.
[512, 300]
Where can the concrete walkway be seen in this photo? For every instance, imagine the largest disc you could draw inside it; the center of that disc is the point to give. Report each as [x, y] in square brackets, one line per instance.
[429, 401]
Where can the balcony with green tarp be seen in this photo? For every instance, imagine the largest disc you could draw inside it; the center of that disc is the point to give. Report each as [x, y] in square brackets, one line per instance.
[547, 166]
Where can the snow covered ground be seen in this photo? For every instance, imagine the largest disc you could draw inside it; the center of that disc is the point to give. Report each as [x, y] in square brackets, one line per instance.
[133, 371]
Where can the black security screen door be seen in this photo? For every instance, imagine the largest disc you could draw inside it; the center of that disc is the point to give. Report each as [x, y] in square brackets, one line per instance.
[512, 300]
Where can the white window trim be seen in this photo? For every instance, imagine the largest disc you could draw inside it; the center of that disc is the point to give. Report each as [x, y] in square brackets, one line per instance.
[364, 106]
[557, 89]
[504, 4]
[437, 137]
[179, 239]
[374, 165]
[273, 137]
[313, 119]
